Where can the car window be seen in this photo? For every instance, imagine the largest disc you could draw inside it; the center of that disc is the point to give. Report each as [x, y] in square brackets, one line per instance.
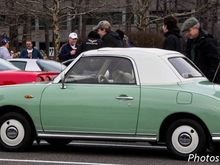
[5, 65]
[20, 64]
[103, 70]
[49, 65]
[184, 67]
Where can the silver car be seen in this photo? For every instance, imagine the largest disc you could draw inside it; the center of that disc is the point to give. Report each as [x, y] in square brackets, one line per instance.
[37, 64]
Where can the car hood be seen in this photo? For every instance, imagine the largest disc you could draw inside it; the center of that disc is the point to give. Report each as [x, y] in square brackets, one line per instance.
[202, 87]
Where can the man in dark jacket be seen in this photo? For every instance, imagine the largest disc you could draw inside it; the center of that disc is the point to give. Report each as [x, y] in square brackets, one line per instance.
[93, 41]
[173, 39]
[201, 48]
[69, 50]
[30, 52]
[109, 38]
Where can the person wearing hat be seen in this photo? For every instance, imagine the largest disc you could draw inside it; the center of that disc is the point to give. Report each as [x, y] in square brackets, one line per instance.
[173, 39]
[4, 52]
[109, 38]
[69, 50]
[30, 51]
[201, 48]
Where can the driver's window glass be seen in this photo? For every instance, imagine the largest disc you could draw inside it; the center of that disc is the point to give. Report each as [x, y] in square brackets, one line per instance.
[102, 70]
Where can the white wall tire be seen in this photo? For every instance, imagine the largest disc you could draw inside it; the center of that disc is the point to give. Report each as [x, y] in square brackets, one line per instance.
[12, 132]
[186, 136]
[16, 133]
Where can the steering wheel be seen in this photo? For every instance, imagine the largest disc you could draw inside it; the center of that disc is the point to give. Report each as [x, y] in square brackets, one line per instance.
[102, 79]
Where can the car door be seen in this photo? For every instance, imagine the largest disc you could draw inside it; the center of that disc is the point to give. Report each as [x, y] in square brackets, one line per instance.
[92, 101]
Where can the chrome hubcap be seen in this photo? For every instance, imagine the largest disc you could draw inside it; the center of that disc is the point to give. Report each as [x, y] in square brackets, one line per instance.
[12, 132]
[185, 139]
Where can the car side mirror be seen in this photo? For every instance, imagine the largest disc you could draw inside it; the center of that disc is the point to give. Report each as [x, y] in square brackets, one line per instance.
[63, 81]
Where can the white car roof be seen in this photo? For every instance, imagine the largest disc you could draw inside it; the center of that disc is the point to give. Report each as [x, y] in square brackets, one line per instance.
[30, 63]
[151, 64]
[133, 52]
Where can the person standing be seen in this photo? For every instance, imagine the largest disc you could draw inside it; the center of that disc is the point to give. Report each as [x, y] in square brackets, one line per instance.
[124, 38]
[4, 52]
[201, 48]
[173, 39]
[30, 52]
[93, 41]
[69, 50]
[109, 38]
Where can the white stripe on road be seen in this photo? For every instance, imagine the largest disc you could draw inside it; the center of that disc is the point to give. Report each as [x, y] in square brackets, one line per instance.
[50, 162]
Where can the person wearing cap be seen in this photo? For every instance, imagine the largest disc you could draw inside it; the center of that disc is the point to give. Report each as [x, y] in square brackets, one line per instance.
[201, 48]
[109, 38]
[69, 50]
[30, 52]
[4, 52]
[173, 39]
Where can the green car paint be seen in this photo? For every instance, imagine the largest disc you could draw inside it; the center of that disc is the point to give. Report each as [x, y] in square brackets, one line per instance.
[91, 101]
[90, 108]
[94, 108]
[159, 102]
[14, 96]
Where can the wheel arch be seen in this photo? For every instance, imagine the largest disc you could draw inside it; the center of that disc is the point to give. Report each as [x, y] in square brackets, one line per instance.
[10, 108]
[174, 117]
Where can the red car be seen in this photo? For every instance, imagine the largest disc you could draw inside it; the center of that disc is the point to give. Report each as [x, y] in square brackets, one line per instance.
[9, 74]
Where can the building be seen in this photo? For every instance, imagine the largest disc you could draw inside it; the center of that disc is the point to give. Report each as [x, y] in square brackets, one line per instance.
[123, 14]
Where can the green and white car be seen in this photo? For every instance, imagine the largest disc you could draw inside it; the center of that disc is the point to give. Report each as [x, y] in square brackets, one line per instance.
[116, 95]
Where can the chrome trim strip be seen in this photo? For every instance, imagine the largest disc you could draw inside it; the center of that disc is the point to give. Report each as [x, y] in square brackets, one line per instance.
[99, 137]
[216, 137]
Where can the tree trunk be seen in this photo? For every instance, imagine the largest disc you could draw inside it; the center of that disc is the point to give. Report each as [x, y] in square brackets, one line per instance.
[26, 30]
[56, 28]
[13, 35]
[56, 33]
[47, 41]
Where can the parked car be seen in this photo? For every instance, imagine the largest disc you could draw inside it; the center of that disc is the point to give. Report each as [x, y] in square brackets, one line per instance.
[10, 74]
[116, 95]
[37, 65]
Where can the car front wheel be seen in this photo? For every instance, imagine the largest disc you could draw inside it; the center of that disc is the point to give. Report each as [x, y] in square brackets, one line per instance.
[184, 137]
[15, 132]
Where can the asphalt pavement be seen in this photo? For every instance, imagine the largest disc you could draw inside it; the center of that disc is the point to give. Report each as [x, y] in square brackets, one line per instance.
[81, 153]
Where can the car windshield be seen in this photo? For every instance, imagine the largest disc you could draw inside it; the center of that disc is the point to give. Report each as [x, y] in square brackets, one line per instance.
[49, 65]
[184, 67]
[5, 65]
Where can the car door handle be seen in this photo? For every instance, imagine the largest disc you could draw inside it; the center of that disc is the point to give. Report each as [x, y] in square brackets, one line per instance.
[124, 97]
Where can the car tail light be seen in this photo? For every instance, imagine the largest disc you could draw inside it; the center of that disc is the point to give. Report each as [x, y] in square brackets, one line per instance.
[52, 77]
[39, 79]
[47, 78]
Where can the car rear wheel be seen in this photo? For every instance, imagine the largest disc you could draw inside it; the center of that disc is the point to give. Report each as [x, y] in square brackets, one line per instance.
[15, 132]
[184, 137]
